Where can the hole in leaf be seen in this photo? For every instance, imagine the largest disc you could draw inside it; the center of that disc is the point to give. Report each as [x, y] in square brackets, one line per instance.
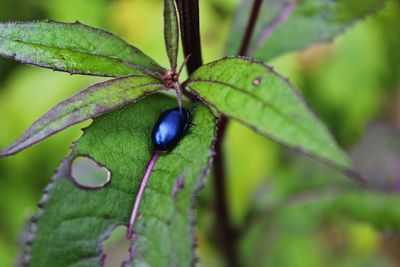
[116, 247]
[89, 174]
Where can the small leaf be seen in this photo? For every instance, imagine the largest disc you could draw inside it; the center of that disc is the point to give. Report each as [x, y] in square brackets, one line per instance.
[73, 48]
[171, 32]
[73, 222]
[285, 26]
[253, 94]
[89, 103]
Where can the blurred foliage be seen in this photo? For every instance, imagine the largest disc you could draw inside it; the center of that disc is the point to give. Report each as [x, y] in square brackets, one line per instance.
[292, 211]
[20, 11]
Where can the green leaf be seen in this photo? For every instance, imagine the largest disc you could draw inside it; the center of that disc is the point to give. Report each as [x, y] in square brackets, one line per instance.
[89, 103]
[171, 32]
[74, 222]
[311, 214]
[285, 26]
[304, 207]
[253, 94]
[73, 48]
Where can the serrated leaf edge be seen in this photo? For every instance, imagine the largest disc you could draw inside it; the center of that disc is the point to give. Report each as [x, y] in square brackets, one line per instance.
[157, 74]
[13, 148]
[356, 177]
[192, 220]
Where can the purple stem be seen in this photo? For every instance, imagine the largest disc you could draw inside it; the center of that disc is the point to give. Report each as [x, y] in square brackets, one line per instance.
[129, 232]
[183, 65]
[279, 19]
[190, 32]
[250, 28]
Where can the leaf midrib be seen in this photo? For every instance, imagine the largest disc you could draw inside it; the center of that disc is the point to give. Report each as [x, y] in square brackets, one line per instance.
[81, 119]
[57, 47]
[264, 103]
[77, 51]
[91, 102]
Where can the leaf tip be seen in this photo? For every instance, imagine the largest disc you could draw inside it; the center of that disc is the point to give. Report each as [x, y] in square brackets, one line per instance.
[357, 178]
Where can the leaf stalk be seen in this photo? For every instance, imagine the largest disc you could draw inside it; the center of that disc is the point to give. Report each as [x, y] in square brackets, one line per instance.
[129, 232]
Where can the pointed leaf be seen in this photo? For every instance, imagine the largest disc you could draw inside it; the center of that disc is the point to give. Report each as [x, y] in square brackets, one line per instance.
[73, 222]
[285, 26]
[253, 94]
[73, 48]
[89, 103]
[171, 32]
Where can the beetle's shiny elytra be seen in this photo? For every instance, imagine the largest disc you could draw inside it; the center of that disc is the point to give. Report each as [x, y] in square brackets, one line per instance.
[170, 128]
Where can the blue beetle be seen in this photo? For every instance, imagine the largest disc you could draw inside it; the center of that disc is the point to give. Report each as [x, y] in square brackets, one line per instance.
[171, 126]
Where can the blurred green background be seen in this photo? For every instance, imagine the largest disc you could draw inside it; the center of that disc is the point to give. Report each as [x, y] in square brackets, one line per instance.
[292, 210]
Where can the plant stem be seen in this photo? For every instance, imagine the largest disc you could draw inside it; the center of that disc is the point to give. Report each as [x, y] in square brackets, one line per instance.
[190, 32]
[250, 28]
[226, 228]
